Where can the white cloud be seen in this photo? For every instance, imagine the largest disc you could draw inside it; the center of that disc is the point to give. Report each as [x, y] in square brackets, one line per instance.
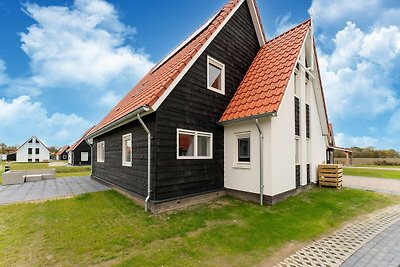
[343, 140]
[3, 74]
[109, 99]
[83, 44]
[21, 118]
[356, 81]
[283, 23]
[328, 12]
[394, 123]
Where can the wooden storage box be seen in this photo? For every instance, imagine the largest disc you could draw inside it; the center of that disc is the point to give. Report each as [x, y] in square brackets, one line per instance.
[330, 175]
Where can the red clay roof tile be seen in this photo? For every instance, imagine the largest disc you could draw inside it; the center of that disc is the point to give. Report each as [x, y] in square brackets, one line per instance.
[268, 76]
[154, 84]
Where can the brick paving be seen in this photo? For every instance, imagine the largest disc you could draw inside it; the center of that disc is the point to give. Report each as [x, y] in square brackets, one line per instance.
[49, 189]
[383, 250]
[367, 235]
[381, 185]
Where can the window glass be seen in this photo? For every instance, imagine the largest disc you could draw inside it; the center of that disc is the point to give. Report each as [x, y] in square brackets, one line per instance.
[203, 145]
[215, 78]
[37, 151]
[244, 149]
[100, 151]
[186, 144]
[297, 156]
[29, 151]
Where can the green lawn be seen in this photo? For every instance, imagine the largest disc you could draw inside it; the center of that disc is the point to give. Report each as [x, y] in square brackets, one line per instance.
[109, 229]
[391, 174]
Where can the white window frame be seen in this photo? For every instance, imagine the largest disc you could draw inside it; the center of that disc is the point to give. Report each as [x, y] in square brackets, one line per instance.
[218, 64]
[124, 138]
[237, 163]
[103, 153]
[196, 134]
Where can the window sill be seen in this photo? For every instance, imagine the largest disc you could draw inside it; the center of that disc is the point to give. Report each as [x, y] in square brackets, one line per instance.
[126, 164]
[183, 157]
[222, 91]
[242, 166]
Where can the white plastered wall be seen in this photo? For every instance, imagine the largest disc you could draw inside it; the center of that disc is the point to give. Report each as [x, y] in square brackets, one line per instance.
[23, 156]
[279, 144]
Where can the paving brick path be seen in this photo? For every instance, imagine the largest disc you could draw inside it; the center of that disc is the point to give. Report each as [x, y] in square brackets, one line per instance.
[369, 236]
[381, 185]
[49, 189]
[383, 250]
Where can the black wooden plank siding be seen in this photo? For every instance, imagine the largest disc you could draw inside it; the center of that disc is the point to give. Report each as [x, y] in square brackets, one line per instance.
[76, 157]
[297, 115]
[132, 179]
[192, 106]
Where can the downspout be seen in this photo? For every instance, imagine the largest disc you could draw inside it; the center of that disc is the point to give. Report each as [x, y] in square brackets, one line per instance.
[261, 164]
[146, 201]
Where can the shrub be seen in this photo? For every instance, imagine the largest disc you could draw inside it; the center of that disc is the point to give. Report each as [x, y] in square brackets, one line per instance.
[387, 163]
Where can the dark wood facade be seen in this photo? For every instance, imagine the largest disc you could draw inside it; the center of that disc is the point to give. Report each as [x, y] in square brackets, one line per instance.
[76, 154]
[189, 106]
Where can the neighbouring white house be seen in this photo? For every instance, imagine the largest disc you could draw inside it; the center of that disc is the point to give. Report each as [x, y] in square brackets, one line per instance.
[33, 150]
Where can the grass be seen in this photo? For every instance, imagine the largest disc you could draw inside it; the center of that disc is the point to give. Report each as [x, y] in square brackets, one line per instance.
[107, 228]
[390, 174]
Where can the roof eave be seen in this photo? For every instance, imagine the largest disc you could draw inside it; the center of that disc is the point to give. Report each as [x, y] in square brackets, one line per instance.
[253, 117]
[121, 121]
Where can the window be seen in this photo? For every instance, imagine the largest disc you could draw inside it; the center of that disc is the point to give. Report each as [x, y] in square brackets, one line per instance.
[215, 76]
[307, 120]
[297, 116]
[295, 84]
[29, 160]
[194, 145]
[64, 156]
[101, 149]
[37, 141]
[29, 151]
[84, 156]
[127, 150]
[243, 150]
[37, 151]
[30, 141]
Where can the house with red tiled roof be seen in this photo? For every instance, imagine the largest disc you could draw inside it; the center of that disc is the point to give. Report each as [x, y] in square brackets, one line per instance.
[226, 112]
[62, 154]
[80, 153]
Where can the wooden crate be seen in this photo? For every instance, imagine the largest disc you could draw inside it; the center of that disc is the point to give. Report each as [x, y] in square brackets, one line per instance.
[330, 175]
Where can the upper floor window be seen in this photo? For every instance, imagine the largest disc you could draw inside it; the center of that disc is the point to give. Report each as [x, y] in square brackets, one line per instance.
[37, 151]
[215, 75]
[30, 151]
[101, 149]
[297, 116]
[127, 150]
[194, 145]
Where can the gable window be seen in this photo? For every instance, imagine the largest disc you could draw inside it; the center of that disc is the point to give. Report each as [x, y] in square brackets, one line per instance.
[193, 144]
[215, 75]
[243, 157]
[101, 149]
[30, 151]
[127, 150]
[37, 151]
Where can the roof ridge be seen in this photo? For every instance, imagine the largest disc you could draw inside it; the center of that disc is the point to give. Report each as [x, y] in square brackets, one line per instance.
[291, 29]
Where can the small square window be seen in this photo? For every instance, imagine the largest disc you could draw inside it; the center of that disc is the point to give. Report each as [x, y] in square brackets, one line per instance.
[242, 147]
[127, 150]
[215, 76]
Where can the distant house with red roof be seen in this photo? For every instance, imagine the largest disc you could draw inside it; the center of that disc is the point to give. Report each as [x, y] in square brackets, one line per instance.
[80, 153]
[226, 112]
[62, 154]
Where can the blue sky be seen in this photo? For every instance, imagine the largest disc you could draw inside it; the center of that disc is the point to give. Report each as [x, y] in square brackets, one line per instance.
[64, 64]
